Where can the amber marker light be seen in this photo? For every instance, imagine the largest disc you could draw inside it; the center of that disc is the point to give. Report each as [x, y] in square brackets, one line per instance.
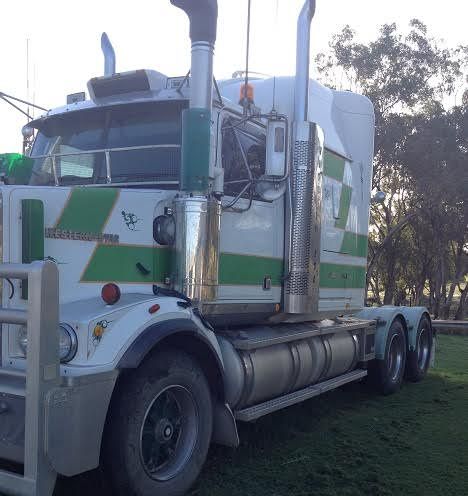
[110, 293]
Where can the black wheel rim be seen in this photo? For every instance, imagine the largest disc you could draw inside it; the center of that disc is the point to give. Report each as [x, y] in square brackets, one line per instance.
[395, 357]
[423, 348]
[169, 433]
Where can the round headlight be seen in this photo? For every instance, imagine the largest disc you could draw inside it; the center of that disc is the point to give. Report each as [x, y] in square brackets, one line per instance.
[68, 343]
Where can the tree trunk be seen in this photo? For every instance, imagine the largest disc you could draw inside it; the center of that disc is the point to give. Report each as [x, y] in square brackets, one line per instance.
[460, 313]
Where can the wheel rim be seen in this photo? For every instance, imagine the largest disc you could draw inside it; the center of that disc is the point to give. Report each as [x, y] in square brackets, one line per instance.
[423, 348]
[169, 433]
[395, 357]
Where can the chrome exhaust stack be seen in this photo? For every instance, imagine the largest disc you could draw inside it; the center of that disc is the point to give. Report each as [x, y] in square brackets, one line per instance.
[301, 289]
[197, 211]
[109, 55]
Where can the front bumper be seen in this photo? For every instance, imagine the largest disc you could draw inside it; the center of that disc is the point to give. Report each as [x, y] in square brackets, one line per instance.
[75, 414]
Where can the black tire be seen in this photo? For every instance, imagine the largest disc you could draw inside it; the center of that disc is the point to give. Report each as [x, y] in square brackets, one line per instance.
[387, 374]
[159, 428]
[419, 359]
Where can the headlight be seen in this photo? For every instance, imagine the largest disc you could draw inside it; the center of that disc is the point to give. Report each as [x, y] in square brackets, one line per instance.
[68, 342]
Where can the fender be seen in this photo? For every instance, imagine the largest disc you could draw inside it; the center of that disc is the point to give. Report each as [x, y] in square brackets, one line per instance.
[155, 333]
[385, 315]
[224, 425]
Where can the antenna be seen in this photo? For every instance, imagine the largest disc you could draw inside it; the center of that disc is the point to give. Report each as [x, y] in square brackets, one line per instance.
[27, 74]
[276, 51]
[247, 52]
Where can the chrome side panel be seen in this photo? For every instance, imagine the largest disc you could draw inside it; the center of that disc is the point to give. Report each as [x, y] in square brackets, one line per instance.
[197, 247]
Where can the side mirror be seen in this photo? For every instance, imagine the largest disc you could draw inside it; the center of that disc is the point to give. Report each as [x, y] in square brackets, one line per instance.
[276, 147]
[379, 197]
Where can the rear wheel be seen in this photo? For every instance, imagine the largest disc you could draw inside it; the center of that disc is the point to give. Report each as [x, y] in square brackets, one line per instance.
[419, 358]
[387, 374]
[160, 427]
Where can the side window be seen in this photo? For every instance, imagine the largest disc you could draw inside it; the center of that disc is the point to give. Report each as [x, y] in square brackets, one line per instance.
[243, 157]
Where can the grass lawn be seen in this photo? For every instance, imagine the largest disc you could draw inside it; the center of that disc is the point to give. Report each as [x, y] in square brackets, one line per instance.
[350, 442]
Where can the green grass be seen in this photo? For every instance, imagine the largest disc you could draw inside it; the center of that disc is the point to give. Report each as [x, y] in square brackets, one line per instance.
[353, 442]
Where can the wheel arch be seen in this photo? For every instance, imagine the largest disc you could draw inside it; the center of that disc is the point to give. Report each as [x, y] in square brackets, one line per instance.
[182, 334]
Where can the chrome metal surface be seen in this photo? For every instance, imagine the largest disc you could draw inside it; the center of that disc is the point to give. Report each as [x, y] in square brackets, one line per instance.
[201, 77]
[303, 232]
[257, 411]
[395, 357]
[169, 433]
[107, 155]
[109, 55]
[108, 167]
[197, 247]
[301, 97]
[104, 150]
[270, 367]
[42, 376]
[423, 348]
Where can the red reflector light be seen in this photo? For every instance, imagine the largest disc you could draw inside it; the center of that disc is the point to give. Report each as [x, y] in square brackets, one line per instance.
[154, 308]
[110, 293]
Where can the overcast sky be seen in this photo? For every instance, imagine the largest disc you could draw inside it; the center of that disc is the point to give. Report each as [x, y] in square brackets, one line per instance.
[64, 40]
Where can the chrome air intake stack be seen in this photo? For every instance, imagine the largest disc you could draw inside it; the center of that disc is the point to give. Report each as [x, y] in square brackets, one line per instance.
[303, 232]
[197, 212]
[109, 55]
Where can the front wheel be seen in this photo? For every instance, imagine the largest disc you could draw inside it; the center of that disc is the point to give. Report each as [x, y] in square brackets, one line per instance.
[387, 374]
[160, 427]
[419, 359]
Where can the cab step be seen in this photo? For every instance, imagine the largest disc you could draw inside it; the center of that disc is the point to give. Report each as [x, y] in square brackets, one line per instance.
[256, 411]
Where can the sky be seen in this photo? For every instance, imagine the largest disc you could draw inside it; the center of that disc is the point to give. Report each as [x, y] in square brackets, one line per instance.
[64, 40]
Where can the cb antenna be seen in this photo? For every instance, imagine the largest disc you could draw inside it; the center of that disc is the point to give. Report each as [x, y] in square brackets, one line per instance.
[245, 99]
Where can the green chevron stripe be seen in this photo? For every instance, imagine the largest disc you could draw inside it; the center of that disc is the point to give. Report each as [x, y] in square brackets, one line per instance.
[345, 202]
[333, 166]
[88, 209]
[338, 276]
[118, 263]
[354, 244]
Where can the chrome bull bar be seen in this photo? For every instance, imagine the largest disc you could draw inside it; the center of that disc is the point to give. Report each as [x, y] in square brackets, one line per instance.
[42, 374]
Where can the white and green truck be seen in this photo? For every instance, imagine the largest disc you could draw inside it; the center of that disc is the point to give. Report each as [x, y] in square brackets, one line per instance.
[184, 257]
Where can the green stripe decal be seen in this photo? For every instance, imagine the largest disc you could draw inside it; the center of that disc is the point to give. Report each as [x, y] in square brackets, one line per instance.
[354, 244]
[87, 209]
[345, 202]
[333, 166]
[248, 270]
[336, 276]
[118, 263]
[32, 225]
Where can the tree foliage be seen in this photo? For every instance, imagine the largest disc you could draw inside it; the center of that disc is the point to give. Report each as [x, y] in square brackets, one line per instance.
[418, 245]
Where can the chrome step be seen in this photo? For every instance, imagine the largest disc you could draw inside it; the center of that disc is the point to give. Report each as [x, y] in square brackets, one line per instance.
[257, 411]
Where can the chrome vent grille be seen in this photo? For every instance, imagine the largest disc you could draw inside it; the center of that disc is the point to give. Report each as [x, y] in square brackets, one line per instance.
[302, 281]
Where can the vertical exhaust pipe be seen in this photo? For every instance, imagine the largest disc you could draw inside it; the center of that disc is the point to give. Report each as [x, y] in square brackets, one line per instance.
[301, 290]
[198, 213]
[109, 55]
[301, 95]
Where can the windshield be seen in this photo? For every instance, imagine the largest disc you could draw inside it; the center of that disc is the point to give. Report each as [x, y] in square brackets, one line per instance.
[121, 144]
